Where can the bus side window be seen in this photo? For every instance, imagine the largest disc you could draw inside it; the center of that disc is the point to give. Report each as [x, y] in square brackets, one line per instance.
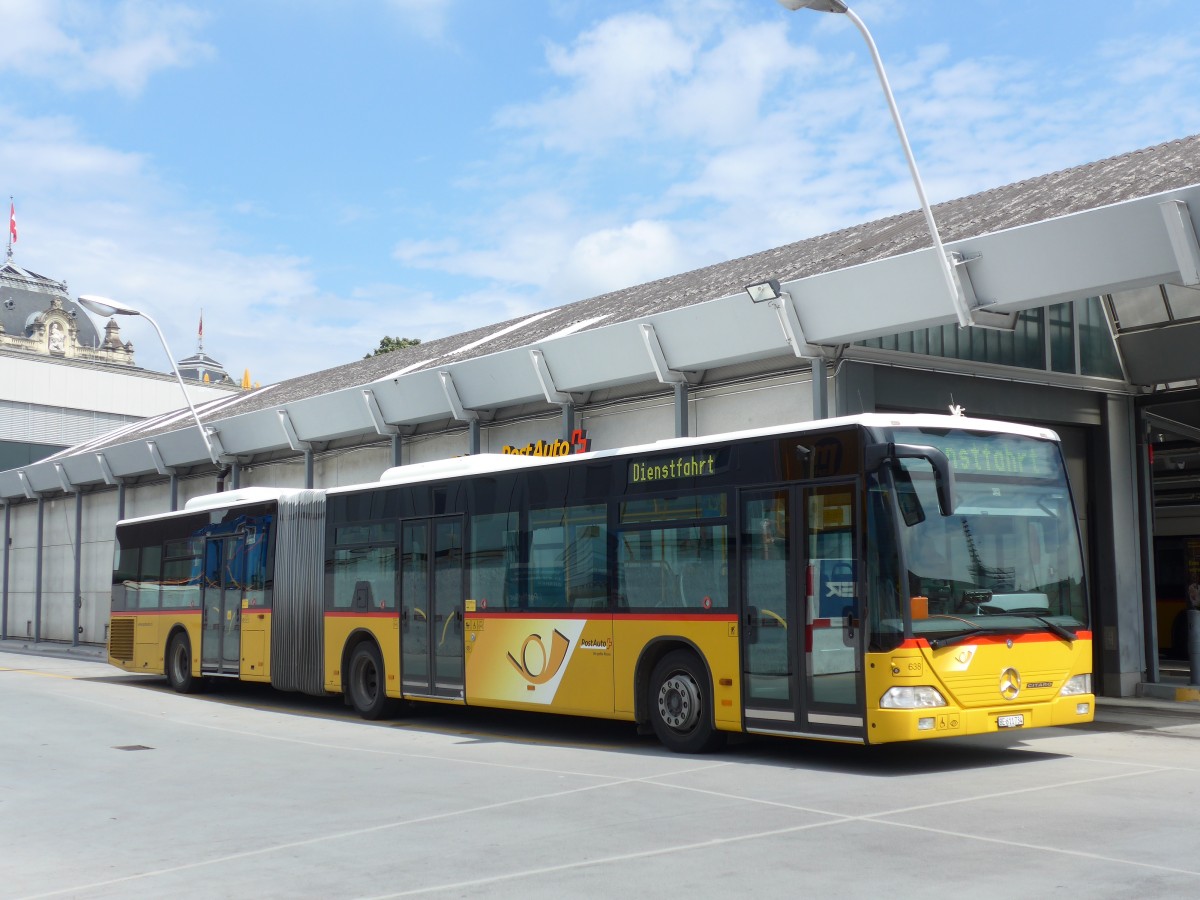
[124, 571]
[493, 566]
[568, 557]
[149, 578]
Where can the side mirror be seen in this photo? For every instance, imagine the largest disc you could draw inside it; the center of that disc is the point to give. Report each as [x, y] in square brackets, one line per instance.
[877, 455]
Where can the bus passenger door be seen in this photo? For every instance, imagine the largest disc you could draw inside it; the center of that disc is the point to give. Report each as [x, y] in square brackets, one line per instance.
[224, 578]
[800, 630]
[431, 607]
[833, 620]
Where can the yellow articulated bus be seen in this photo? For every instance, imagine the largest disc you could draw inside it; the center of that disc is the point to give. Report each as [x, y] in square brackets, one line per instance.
[869, 579]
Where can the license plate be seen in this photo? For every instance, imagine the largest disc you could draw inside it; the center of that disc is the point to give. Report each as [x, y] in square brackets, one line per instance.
[1010, 721]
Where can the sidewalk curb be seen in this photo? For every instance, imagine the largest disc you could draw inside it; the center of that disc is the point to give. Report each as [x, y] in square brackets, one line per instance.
[94, 652]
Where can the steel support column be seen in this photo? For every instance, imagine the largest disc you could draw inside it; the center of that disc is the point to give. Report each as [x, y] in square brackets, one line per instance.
[681, 408]
[1119, 602]
[568, 411]
[820, 389]
[77, 592]
[37, 578]
[4, 588]
[1145, 486]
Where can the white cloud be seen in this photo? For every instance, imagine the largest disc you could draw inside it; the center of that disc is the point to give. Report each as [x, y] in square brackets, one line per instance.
[615, 74]
[517, 243]
[613, 258]
[722, 103]
[82, 46]
[660, 141]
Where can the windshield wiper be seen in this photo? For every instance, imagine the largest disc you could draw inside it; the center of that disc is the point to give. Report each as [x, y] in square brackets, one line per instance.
[955, 638]
[1064, 633]
[1060, 631]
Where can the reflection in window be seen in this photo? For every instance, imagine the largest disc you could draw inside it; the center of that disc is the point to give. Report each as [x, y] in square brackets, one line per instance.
[568, 558]
[181, 577]
[124, 572]
[494, 553]
[883, 570]
[1059, 329]
[143, 594]
[364, 578]
[1097, 352]
[685, 567]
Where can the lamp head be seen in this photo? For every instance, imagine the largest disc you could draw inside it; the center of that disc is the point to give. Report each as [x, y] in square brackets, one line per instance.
[102, 306]
[832, 6]
[764, 291]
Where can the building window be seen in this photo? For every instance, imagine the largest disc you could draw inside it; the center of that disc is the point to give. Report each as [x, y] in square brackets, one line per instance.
[1069, 337]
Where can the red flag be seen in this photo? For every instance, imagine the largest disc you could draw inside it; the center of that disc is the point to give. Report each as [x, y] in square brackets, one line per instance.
[12, 221]
[202, 324]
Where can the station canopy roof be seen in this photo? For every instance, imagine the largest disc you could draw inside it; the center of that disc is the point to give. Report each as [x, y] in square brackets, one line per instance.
[1124, 227]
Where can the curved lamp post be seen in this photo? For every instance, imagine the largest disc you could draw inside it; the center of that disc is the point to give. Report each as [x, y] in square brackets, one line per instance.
[102, 306]
[837, 6]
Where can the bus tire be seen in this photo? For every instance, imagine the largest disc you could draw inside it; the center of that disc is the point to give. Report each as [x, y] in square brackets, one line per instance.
[365, 682]
[680, 706]
[179, 665]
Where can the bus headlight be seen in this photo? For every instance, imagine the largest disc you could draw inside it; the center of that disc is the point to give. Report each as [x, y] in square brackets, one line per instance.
[920, 697]
[1079, 684]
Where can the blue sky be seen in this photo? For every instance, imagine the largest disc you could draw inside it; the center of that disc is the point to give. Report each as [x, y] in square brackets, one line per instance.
[315, 174]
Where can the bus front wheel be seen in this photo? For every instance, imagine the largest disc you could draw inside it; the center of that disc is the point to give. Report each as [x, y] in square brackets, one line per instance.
[365, 681]
[179, 665]
[680, 706]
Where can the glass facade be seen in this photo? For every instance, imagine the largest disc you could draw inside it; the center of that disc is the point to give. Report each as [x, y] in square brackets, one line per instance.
[1072, 337]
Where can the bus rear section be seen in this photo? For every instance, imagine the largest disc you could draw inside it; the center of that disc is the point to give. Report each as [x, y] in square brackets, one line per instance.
[229, 587]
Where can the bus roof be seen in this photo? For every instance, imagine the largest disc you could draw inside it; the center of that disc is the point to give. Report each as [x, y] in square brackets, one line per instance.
[240, 497]
[485, 463]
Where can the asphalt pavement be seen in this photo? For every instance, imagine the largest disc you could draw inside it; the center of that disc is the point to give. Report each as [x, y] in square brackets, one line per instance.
[111, 785]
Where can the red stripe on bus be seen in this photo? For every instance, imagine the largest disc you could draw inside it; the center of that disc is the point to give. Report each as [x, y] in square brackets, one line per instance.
[369, 613]
[604, 614]
[1015, 637]
[175, 611]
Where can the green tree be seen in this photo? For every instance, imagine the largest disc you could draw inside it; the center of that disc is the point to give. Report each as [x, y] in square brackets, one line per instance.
[388, 344]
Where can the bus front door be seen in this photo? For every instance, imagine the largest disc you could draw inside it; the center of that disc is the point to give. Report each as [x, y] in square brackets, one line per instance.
[223, 583]
[431, 607]
[801, 633]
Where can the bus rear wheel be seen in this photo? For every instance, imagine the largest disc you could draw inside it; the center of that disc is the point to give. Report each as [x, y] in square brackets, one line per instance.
[680, 707]
[365, 681]
[179, 665]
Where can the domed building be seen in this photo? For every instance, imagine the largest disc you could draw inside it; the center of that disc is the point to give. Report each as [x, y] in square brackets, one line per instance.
[202, 367]
[64, 379]
[37, 316]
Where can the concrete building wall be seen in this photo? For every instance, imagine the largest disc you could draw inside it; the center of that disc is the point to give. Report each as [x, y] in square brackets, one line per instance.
[754, 404]
[107, 389]
[21, 574]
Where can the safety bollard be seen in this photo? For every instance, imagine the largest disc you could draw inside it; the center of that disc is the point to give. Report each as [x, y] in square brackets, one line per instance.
[1193, 621]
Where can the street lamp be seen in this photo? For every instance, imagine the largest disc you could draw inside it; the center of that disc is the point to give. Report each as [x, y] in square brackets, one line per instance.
[837, 6]
[102, 306]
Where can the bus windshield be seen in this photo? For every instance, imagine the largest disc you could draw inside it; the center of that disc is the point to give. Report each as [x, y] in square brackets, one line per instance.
[1008, 557]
